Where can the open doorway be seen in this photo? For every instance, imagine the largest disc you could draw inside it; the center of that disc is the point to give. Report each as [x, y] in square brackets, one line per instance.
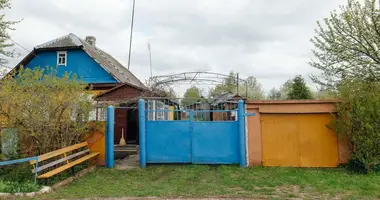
[126, 124]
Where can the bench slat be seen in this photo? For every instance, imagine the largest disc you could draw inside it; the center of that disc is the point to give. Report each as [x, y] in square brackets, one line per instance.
[67, 166]
[58, 152]
[61, 160]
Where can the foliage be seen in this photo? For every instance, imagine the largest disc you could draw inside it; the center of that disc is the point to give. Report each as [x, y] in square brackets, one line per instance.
[49, 112]
[5, 27]
[251, 89]
[323, 94]
[299, 90]
[21, 172]
[195, 181]
[228, 85]
[15, 187]
[282, 92]
[192, 95]
[274, 94]
[285, 88]
[359, 120]
[346, 44]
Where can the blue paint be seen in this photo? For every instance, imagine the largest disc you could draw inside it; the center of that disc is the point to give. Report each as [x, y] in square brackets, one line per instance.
[168, 142]
[78, 62]
[191, 131]
[242, 143]
[142, 132]
[215, 143]
[249, 114]
[190, 141]
[110, 137]
[11, 162]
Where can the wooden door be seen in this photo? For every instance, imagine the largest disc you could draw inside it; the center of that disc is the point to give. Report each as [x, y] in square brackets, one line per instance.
[120, 123]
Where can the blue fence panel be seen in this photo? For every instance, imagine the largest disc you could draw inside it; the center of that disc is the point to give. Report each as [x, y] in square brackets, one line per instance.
[168, 142]
[215, 143]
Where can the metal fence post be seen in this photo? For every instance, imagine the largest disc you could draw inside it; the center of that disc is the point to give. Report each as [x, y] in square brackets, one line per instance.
[110, 137]
[142, 133]
[241, 119]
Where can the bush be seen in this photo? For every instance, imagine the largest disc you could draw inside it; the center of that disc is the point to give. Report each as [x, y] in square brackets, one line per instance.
[49, 112]
[14, 187]
[17, 173]
[358, 119]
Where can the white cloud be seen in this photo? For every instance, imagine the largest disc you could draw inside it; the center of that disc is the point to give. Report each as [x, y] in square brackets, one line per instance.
[268, 39]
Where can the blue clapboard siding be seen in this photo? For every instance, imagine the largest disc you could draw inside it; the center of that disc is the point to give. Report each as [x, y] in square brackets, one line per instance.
[78, 62]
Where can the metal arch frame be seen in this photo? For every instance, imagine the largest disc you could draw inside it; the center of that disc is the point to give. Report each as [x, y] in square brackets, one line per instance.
[196, 76]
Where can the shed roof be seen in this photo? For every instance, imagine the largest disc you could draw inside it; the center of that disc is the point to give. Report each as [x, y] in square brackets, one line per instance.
[224, 97]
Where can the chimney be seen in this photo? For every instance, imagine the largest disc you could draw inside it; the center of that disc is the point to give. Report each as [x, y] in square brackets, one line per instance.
[91, 40]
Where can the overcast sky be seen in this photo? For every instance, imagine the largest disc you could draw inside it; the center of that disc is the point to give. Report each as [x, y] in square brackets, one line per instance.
[267, 39]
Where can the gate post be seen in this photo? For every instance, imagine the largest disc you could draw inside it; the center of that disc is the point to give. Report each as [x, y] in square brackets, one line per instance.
[241, 120]
[142, 133]
[110, 137]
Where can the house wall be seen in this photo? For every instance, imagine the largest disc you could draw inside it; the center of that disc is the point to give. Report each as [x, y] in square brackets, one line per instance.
[78, 62]
[294, 133]
[120, 94]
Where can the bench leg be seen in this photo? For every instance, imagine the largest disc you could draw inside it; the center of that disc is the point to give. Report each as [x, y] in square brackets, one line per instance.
[72, 171]
[45, 181]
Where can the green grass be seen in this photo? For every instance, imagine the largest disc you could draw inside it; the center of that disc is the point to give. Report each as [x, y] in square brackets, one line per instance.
[15, 187]
[222, 181]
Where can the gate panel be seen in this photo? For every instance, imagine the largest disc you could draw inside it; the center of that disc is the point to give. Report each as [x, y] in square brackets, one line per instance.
[215, 142]
[168, 142]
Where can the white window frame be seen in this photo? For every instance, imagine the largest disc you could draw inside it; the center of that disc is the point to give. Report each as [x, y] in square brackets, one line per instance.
[62, 52]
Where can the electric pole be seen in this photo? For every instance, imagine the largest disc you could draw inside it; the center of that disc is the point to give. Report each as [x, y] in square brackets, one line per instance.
[130, 37]
[150, 61]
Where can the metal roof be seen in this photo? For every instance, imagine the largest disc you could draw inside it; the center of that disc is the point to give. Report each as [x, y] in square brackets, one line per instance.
[105, 60]
[224, 97]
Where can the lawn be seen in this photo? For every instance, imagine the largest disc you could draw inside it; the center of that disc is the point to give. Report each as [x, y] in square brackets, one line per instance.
[222, 181]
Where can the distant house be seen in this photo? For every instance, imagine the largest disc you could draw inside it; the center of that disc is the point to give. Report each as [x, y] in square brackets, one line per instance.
[216, 109]
[225, 101]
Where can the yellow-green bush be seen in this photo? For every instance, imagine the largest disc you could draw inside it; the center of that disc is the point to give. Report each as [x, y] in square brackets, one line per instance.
[359, 120]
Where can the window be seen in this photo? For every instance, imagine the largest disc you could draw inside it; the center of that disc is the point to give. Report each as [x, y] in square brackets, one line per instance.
[61, 58]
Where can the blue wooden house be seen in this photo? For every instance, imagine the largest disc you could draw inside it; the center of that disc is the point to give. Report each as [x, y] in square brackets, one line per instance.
[82, 57]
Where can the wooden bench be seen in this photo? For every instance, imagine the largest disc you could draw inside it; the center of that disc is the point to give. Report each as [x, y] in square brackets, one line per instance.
[66, 155]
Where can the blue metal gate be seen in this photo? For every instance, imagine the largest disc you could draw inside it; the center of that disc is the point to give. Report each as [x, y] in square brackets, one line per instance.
[198, 136]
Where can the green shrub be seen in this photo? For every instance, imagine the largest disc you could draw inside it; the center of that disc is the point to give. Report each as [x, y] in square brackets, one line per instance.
[14, 187]
[17, 173]
[358, 119]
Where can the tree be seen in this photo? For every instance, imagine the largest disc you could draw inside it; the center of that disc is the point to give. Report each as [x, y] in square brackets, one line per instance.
[274, 94]
[282, 93]
[299, 90]
[5, 27]
[285, 88]
[192, 95]
[324, 94]
[228, 85]
[48, 112]
[251, 89]
[346, 44]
